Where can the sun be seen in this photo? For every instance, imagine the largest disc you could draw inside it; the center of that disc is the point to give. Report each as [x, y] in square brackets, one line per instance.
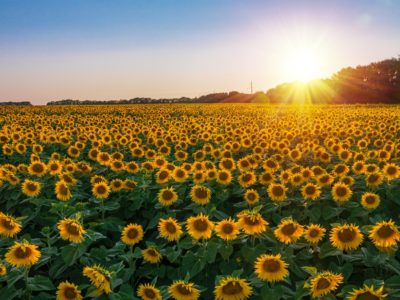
[302, 64]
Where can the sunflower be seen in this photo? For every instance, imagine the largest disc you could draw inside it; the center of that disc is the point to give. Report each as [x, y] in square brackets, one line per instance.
[199, 227]
[148, 291]
[224, 177]
[132, 234]
[170, 229]
[62, 191]
[54, 167]
[181, 290]
[31, 188]
[391, 171]
[310, 191]
[71, 230]
[266, 178]
[9, 226]
[180, 175]
[385, 234]
[314, 233]
[151, 255]
[227, 229]
[374, 180]
[116, 185]
[325, 180]
[251, 196]
[37, 168]
[200, 194]
[101, 190]
[227, 164]
[367, 293]
[3, 270]
[163, 176]
[277, 192]
[99, 277]
[324, 283]
[341, 192]
[271, 268]
[68, 291]
[232, 288]
[370, 200]
[167, 196]
[129, 184]
[247, 179]
[252, 223]
[346, 237]
[288, 231]
[22, 254]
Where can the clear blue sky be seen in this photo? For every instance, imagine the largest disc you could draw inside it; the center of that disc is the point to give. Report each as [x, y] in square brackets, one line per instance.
[102, 49]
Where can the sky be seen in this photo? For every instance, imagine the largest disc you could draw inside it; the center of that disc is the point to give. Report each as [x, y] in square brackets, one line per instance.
[101, 49]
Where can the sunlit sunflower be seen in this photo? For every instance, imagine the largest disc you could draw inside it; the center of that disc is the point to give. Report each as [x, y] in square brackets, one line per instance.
[199, 227]
[232, 288]
[200, 194]
[271, 268]
[314, 233]
[9, 226]
[247, 179]
[224, 177]
[148, 291]
[101, 190]
[374, 180]
[180, 175]
[391, 171]
[116, 185]
[277, 192]
[151, 255]
[181, 290]
[54, 167]
[325, 180]
[346, 237]
[266, 178]
[132, 234]
[310, 191]
[367, 293]
[251, 196]
[252, 223]
[99, 277]
[37, 168]
[31, 188]
[227, 164]
[163, 176]
[170, 229]
[167, 196]
[227, 229]
[68, 291]
[370, 200]
[324, 283]
[341, 192]
[22, 254]
[71, 230]
[288, 231]
[62, 191]
[384, 234]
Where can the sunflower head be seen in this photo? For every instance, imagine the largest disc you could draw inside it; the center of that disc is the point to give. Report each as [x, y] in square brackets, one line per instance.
[252, 223]
[31, 188]
[9, 226]
[367, 293]
[385, 235]
[71, 230]
[167, 196]
[324, 283]
[132, 234]
[68, 291]
[227, 229]
[232, 288]
[151, 255]
[199, 227]
[170, 229]
[288, 231]
[99, 277]
[314, 233]
[101, 190]
[346, 237]
[148, 291]
[277, 192]
[341, 192]
[310, 191]
[181, 290]
[200, 194]
[370, 200]
[271, 268]
[22, 254]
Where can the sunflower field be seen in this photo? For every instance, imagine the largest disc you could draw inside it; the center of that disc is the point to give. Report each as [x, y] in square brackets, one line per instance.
[210, 201]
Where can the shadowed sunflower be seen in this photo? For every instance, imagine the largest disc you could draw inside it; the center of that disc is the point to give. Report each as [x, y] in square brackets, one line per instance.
[200, 194]
[271, 268]
[180, 290]
[374, 180]
[341, 192]
[167, 196]
[325, 180]
[324, 283]
[367, 293]
[62, 191]
[277, 192]
[346, 237]
[31, 188]
[54, 167]
[310, 191]
[391, 171]
[227, 229]
[170, 229]
[22, 254]
[71, 230]
[252, 223]
[199, 227]
[314, 233]
[288, 231]
[247, 179]
[384, 235]
[370, 200]
[116, 185]
[101, 190]
[3, 270]
[148, 291]
[9, 226]
[132, 234]
[68, 291]
[151, 255]
[99, 277]
[232, 288]
[251, 196]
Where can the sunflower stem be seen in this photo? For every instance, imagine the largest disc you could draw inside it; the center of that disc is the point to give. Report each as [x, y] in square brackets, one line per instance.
[28, 292]
[103, 211]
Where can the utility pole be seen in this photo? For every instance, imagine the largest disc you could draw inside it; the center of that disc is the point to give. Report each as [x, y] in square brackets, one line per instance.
[251, 87]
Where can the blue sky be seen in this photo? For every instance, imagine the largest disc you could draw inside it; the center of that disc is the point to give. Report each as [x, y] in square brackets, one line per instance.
[89, 49]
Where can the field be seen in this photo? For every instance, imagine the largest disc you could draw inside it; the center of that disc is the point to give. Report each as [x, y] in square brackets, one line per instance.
[224, 201]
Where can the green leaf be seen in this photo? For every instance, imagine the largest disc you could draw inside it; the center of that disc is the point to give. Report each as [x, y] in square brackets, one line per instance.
[40, 283]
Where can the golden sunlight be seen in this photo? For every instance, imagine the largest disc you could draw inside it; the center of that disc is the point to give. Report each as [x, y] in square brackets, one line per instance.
[302, 64]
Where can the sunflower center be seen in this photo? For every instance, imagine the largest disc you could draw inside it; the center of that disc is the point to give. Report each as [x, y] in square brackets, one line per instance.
[271, 164]
[70, 293]
[37, 168]
[251, 196]
[7, 223]
[341, 191]
[385, 231]
[180, 174]
[163, 175]
[73, 229]
[246, 177]
[23, 252]
[132, 233]
[170, 228]
[346, 235]
[313, 233]
[183, 290]
[370, 200]
[310, 190]
[323, 283]
[277, 191]
[251, 221]
[167, 195]
[232, 288]
[152, 252]
[149, 293]
[271, 266]
[367, 296]
[223, 176]
[201, 193]
[227, 164]
[227, 228]
[373, 178]
[201, 225]
[101, 189]
[31, 187]
[63, 190]
[288, 229]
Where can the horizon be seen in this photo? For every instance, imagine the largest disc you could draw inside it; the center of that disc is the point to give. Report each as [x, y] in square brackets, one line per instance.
[109, 51]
